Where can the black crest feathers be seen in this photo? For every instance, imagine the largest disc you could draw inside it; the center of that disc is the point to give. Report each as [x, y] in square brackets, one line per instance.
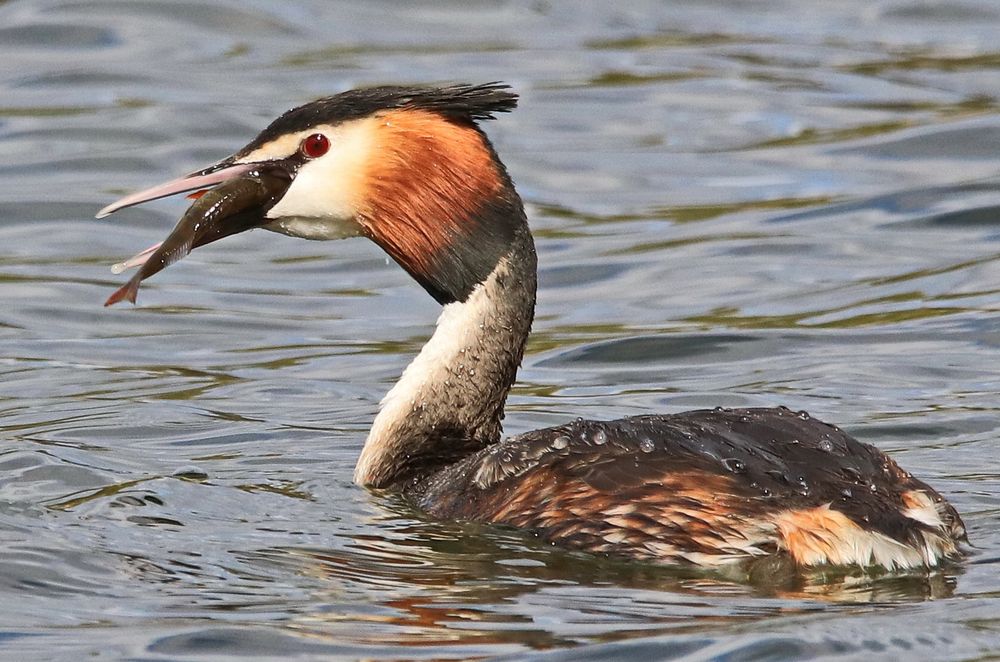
[463, 103]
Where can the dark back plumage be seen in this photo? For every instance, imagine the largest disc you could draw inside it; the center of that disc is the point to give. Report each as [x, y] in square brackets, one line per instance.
[686, 486]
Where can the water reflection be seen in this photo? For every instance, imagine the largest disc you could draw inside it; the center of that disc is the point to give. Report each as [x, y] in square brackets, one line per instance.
[419, 584]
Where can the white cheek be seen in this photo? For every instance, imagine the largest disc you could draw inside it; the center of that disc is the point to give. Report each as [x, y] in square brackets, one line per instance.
[314, 193]
[329, 187]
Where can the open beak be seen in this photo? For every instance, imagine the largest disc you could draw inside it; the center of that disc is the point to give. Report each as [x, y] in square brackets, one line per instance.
[242, 196]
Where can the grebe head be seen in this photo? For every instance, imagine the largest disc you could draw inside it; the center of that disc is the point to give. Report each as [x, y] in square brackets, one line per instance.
[407, 167]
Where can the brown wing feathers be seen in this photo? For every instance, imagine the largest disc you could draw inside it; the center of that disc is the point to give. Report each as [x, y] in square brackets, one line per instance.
[713, 483]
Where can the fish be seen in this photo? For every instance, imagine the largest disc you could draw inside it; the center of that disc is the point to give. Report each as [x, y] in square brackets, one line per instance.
[236, 205]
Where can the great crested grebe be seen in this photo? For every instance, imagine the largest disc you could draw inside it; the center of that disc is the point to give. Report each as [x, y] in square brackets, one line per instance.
[409, 168]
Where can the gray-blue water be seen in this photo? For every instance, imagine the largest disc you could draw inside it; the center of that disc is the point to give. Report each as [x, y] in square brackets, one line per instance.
[735, 203]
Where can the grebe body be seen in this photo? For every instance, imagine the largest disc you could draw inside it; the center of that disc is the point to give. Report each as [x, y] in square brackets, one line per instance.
[410, 169]
[704, 487]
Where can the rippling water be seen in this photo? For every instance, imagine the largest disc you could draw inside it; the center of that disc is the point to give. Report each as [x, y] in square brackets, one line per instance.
[735, 203]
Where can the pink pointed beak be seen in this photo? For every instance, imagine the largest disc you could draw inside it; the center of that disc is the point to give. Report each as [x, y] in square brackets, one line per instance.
[202, 179]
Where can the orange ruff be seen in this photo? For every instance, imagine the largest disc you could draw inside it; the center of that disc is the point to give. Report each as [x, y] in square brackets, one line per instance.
[417, 218]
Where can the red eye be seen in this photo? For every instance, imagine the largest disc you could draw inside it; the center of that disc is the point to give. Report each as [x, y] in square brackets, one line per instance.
[315, 146]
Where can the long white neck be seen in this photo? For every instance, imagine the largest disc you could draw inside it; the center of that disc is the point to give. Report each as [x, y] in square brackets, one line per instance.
[449, 401]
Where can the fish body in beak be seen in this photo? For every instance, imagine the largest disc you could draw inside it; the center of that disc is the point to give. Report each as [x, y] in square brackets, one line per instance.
[239, 203]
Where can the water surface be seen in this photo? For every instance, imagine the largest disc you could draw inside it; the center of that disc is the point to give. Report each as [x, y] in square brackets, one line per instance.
[735, 203]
